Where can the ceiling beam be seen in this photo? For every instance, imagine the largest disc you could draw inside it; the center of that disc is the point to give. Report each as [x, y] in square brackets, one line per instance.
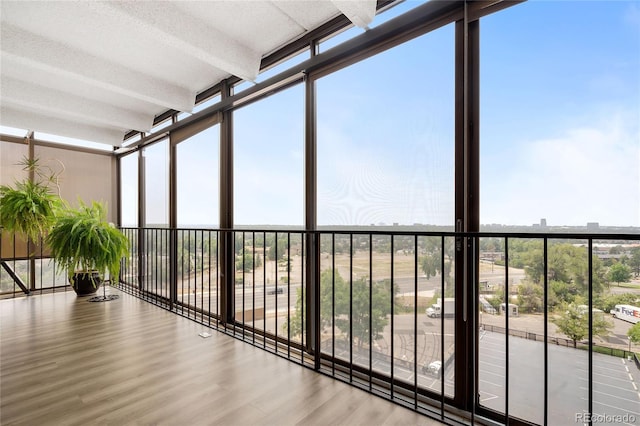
[27, 119]
[48, 56]
[360, 12]
[171, 26]
[69, 106]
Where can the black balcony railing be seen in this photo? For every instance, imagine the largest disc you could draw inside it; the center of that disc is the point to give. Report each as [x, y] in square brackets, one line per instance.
[26, 269]
[359, 306]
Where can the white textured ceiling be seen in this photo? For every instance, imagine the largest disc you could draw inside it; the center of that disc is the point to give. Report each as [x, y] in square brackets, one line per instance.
[94, 70]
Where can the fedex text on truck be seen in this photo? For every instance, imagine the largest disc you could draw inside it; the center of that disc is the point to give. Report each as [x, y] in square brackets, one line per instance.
[627, 313]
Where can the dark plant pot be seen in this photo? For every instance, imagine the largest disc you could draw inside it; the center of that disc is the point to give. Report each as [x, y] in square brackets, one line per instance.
[86, 283]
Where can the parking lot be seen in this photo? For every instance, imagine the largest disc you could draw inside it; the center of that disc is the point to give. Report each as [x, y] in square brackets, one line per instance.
[616, 382]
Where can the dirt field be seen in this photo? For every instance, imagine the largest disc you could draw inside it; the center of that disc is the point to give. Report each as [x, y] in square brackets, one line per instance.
[404, 270]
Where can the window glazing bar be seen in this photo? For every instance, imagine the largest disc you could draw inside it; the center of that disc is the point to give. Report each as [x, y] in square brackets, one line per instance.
[546, 328]
[590, 305]
[227, 296]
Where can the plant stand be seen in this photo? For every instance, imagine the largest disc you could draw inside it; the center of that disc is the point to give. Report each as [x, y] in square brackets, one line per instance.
[104, 297]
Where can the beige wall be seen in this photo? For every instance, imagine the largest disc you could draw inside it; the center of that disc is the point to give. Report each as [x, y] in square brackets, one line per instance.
[10, 155]
[89, 176]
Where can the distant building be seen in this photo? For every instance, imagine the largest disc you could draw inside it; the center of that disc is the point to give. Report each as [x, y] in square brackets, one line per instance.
[593, 226]
[543, 223]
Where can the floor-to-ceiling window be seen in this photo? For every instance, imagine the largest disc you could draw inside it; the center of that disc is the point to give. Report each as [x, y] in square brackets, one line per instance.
[385, 144]
[156, 180]
[153, 266]
[198, 188]
[269, 193]
[269, 160]
[197, 162]
[560, 152]
[129, 190]
[129, 212]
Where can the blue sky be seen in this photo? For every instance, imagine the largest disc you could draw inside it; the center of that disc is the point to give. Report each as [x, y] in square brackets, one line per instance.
[560, 130]
[560, 109]
[559, 127]
[386, 137]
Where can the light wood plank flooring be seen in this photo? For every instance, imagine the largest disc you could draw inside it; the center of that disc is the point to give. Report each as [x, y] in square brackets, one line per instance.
[65, 361]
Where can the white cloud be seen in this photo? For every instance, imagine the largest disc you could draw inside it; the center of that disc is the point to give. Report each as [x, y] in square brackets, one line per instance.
[586, 174]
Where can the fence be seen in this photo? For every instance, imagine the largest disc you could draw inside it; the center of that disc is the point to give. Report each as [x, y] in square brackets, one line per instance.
[560, 341]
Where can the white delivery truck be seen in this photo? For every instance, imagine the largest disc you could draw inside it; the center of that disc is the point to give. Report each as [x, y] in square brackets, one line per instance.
[435, 310]
[627, 313]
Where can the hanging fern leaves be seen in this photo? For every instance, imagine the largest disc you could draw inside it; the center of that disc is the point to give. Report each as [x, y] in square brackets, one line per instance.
[30, 206]
[28, 209]
[82, 240]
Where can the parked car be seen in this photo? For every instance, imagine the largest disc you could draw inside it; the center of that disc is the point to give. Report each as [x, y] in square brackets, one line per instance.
[275, 290]
[432, 368]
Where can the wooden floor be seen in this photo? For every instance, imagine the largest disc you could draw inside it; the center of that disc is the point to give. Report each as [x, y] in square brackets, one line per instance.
[65, 361]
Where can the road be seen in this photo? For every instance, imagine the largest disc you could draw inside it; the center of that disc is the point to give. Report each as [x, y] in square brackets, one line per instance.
[247, 298]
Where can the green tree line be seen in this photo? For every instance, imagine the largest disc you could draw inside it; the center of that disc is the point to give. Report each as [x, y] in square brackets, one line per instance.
[358, 309]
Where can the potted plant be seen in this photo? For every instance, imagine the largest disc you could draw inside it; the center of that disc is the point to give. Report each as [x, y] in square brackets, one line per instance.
[82, 241]
[29, 207]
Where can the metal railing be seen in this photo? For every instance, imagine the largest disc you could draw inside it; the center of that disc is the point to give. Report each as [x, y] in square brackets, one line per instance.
[354, 305]
[370, 290]
[27, 269]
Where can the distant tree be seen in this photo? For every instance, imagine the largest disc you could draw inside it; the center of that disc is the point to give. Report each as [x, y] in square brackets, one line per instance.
[285, 264]
[431, 263]
[491, 244]
[342, 245]
[281, 247]
[497, 298]
[558, 294]
[619, 273]
[609, 301]
[520, 251]
[567, 266]
[574, 323]
[634, 333]
[534, 264]
[380, 307]
[624, 259]
[333, 288]
[246, 262]
[616, 250]
[210, 245]
[296, 323]
[562, 293]
[634, 261]
[186, 261]
[258, 240]
[238, 243]
[530, 297]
